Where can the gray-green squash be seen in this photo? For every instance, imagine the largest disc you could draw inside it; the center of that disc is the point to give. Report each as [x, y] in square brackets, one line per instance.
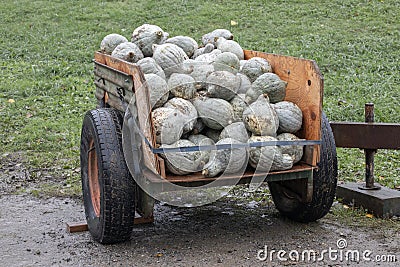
[245, 83]
[230, 46]
[255, 67]
[208, 57]
[215, 113]
[238, 105]
[158, 89]
[202, 140]
[182, 85]
[182, 163]
[222, 84]
[237, 131]
[170, 58]
[146, 36]
[268, 158]
[110, 42]
[168, 125]
[187, 109]
[203, 50]
[296, 152]
[226, 61]
[199, 72]
[213, 36]
[270, 84]
[127, 51]
[232, 160]
[148, 65]
[260, 118]
[290, 116]
[188, 44]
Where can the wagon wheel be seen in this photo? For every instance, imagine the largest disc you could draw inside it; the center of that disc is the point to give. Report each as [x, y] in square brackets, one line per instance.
[108, 188]
[324, 185]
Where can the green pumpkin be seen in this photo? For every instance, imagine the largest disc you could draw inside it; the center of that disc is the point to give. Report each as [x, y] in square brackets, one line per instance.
[260, 118]
[270, 84]
[128, 51]
[226, 160]
[110, 42]
[146, 36]
[290, 117]
[222, 84]
[188, 44]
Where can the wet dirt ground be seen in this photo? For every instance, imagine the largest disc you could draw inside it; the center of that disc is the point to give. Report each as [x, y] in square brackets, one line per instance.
[234, 231]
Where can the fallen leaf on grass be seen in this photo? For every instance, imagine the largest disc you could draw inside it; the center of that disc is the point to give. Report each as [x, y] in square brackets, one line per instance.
[369, 215]
[233, 23]
[11, 100]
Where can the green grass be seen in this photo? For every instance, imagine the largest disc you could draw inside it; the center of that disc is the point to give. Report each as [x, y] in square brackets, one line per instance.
[47, 49]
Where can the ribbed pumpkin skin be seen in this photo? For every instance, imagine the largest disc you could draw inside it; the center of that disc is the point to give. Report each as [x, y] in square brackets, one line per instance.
[260, 118]
[199, 72]
[216, 113]
[208, 48]
[227, 61]
[255, 67]
[226, 160]
[209, 57]
[146, 36]
[290, 116]
[148, 65]
[188, 44]
[296, 152]
[230, 46]
[110, 42]
[187, 109]
[182, 163]
[182, 85]
[128, 51]
[270, 84]
[238, 105]
[261, 158]
[158, 89]
[222, 84]
[168, 125]
[268, 158]
[170, 58]
[202, 140]
[245, 83]
[213, 36]
[237, 131]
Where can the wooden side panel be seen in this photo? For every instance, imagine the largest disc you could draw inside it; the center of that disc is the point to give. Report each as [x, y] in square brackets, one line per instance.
[142, 103]
[305, 88]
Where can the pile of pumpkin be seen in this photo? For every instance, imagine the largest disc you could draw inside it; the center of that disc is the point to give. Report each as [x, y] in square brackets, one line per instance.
[208, 94]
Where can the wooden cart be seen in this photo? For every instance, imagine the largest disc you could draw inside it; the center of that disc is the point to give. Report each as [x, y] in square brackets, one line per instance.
[118, 172]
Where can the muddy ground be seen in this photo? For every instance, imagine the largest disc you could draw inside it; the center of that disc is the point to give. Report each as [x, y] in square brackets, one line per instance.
[230, 232]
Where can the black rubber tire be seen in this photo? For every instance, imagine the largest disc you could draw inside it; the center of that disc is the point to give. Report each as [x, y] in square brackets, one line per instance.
[324, 184]
[110, 216]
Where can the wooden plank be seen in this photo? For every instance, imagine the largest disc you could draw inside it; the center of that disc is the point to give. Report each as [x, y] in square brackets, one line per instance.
[195, 177]
[77, 227]
[113, 89]
[305, 89]
[366, 135]
[117, 77]
[301, 171]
